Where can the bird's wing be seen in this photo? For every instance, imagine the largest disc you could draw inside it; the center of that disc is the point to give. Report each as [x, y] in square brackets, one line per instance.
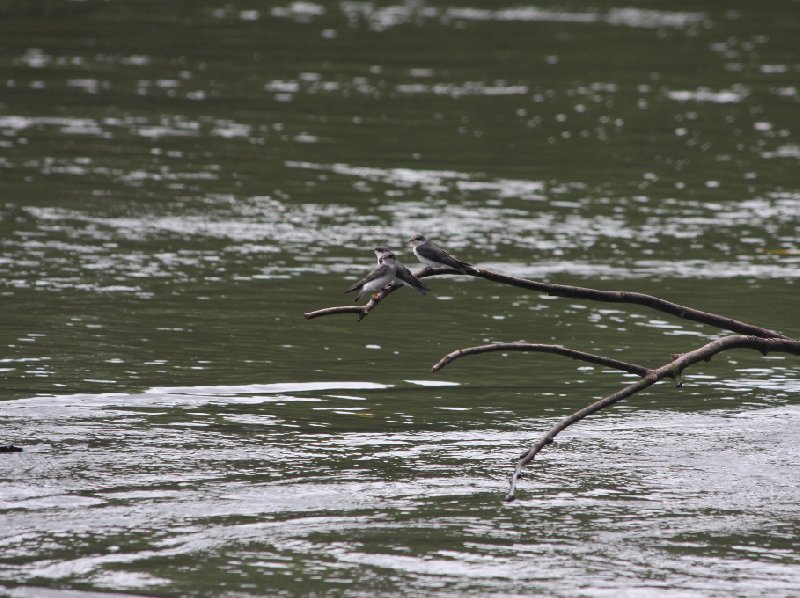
[378, 272]
[415, 283]
[437, 254]
[432, 252]
[454, 263]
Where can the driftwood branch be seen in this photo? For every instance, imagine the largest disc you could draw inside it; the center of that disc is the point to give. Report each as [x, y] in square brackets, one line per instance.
[673, 369]
[562, 290]
[746, 336]
[631, 368]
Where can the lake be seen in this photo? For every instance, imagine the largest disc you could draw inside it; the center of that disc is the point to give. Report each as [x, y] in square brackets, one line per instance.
[182, 181]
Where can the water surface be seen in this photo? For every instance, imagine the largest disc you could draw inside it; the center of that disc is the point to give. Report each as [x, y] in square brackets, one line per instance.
[182, 181]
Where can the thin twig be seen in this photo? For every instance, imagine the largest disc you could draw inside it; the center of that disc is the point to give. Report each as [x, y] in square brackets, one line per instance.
[668, 370]
[361, 310]
[631, 368]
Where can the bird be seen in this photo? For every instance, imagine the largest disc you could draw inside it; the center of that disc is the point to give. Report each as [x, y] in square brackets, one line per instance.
[403, 275]
[382, 275]
[432, 255]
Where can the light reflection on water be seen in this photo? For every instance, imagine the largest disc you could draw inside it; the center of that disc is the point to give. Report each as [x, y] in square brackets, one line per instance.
[474, 228]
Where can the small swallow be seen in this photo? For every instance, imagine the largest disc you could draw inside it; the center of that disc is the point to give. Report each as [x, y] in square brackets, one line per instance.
[403, 274]
[382, 275]
[434, 256]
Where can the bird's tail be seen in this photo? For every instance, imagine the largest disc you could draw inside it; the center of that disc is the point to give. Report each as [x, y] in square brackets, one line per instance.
[420, 287]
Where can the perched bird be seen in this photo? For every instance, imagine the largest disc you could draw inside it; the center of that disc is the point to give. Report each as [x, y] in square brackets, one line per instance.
[382, 275]
[434, 256]
[403, 274]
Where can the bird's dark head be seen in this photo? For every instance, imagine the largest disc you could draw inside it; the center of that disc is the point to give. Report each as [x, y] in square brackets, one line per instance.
[417, 239]
[379, 251]
[387, 258]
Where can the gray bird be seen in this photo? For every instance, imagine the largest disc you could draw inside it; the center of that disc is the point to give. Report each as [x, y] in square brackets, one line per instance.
[403, 274]
[382, 275]
[434, 256]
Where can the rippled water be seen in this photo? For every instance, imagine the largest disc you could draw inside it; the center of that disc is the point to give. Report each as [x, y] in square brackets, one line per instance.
[181, 488]
[182, 181]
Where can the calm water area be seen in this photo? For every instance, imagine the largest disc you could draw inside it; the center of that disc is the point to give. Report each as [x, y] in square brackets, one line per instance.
[180, 181]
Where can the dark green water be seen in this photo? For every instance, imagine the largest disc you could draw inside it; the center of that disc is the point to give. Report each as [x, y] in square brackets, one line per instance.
[181, 181]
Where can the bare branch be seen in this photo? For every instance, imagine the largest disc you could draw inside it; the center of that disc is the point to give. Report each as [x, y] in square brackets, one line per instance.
[749, 336]
[662, 305]
[562, 290]
[556, 349]
[671, 369]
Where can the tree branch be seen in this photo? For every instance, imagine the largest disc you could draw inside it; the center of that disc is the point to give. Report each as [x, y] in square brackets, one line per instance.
[562, 290]
[748, 336]
[668, 370]
[662, 305]
[631, 368]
